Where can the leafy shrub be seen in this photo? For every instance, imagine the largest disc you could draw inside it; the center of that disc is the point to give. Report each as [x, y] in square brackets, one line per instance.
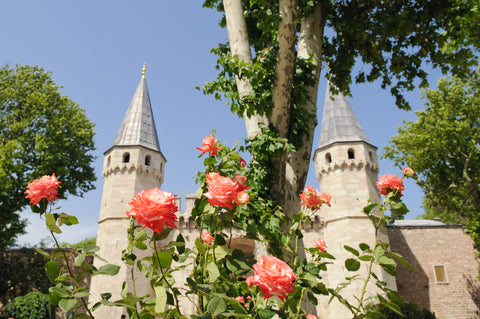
[409, 311]
[33, 305]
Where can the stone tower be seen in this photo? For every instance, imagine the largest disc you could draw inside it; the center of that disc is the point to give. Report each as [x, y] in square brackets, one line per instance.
[346, 167]
[132, 164]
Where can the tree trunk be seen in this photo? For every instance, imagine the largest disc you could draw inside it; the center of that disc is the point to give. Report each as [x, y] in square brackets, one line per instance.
[310, 45]
[240, 47]
[282, 89]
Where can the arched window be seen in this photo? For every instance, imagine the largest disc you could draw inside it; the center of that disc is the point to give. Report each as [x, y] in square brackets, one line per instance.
[351, 154]
[126, 157]
[161, 167]
[147, 160]
[328, 158]
[370, 155]
[108, 161]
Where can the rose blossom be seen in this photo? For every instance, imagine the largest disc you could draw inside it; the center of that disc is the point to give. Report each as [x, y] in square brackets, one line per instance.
[209, 145]
[154, 209]
[242, 198]
[273, 276]
[242, 162]
[390, 183]
[207, 238]
[311, 198]
[326, 198]
[321, 244]
[407, 171]
[310, 316]
[223, 191]
[44, 187]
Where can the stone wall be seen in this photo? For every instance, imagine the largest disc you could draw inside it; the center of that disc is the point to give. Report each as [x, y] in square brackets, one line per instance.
[448, 248]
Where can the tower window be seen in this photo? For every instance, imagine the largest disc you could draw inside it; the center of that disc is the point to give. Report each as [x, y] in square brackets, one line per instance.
[126, 157]
[328, 158]
[351, 154]
[370, 155]
[108, 161]
[440, 274]
[161, 167]
[147, 160]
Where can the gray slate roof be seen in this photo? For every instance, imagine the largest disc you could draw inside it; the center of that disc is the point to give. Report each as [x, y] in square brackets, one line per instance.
[138, 126]
[339, 123]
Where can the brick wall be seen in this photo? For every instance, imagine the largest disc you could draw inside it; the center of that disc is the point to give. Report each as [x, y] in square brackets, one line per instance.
[443, 245]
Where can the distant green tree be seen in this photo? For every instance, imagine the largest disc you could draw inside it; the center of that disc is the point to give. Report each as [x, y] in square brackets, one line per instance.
[443, 147]
[22, 271]
[41, 132]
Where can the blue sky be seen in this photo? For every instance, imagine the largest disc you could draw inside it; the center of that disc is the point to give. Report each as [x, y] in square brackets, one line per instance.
[95, 50]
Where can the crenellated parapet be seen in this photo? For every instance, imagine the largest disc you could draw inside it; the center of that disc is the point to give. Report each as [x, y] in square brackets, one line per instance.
[140, 170]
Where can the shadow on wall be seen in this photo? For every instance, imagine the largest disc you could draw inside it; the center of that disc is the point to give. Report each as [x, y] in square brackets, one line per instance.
[411, 284]
[474, 290]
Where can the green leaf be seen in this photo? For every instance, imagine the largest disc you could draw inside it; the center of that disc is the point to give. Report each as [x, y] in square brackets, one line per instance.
[108, 269]
[165, 258]
[50, 219]
[66, 219]
[141, 235]
[81, 294]
[213, 272]
[352, 264]
[160, 299]
[266, 313]
[140, 245]
[80, 258]
[368, 209]
[216, 306]
[82, 316]
[52, 270]
[180, 248]
[67, 304]
[363, 246]
[60, 292]
[352, 250]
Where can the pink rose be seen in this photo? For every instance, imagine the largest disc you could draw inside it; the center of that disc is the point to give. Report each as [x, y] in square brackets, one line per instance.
[242, 198]
[326, 198]
[154, 209]
[321, 244]
[407, 171]
[390, 183]
[223, 191]
[273, 276]
[310, 316]
[311, 198]
[207, 238]
[209, 145]
[44, 187]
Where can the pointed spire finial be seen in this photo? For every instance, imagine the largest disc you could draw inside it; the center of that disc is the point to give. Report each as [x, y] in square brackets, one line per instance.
[144, 71]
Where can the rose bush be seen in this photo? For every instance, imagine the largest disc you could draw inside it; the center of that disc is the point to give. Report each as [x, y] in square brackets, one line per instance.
[230, 199]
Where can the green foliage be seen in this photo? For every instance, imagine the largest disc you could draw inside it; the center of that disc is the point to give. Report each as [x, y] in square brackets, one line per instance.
[33, 305]
[24, 269]
[41, 132]
[442, 147]
[408, 311]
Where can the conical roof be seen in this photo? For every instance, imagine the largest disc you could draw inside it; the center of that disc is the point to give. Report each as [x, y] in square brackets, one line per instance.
[138, 126]
[339, 123]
